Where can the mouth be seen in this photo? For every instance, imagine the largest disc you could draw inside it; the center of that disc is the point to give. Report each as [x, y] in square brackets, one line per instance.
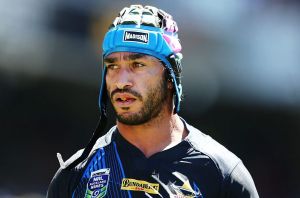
[124, 99]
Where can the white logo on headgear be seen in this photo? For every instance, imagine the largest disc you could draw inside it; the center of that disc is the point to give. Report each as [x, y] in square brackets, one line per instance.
[141, 37]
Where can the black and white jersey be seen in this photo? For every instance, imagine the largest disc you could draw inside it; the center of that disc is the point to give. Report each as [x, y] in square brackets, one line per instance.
[197, 167]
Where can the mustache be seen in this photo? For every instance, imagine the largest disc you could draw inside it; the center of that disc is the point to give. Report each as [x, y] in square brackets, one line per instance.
[129, 91]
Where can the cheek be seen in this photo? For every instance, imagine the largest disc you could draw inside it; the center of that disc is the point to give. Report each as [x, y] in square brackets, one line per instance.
[155, 72]
[151, 84]
[108, 85]
[153, 76]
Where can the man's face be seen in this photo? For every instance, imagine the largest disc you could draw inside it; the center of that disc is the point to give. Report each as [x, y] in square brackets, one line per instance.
[136, 85]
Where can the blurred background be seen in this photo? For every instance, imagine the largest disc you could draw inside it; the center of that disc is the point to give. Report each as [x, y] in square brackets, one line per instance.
[241, 84]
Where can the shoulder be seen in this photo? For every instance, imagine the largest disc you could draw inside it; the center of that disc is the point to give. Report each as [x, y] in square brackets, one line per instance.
[224, 159]
[101, 142]
[66, 179]
[236, 180]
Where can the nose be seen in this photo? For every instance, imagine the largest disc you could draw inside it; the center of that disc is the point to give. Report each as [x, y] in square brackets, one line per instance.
[123, 80]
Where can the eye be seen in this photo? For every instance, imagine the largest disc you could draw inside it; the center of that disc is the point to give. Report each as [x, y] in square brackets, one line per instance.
[138, 65]
[112, 66]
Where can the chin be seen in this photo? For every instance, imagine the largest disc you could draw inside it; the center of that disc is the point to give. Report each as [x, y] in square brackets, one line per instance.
[130, 118]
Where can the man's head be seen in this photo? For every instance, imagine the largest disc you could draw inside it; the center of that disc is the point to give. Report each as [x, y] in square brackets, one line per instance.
[152, 33]
[138, 87]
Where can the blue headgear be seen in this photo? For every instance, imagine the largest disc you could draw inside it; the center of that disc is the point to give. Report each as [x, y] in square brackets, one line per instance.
[154, 33]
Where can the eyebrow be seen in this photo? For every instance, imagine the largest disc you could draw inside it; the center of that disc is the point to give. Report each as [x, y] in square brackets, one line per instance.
[135, 56]
[127, 57]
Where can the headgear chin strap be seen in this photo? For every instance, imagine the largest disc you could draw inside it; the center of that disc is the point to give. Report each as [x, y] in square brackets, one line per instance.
[146, 30]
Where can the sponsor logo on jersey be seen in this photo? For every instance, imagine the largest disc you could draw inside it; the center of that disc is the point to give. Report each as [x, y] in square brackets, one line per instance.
[97, 184]
[139, 185]
[140, 37]
[185, 190]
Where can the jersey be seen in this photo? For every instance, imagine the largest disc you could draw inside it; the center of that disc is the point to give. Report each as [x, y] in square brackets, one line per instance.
[197, 167]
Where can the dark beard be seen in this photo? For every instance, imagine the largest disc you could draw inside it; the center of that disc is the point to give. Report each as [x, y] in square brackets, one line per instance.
[156, 99]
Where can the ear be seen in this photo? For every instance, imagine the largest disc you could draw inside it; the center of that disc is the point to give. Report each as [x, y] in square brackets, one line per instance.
[170, 84]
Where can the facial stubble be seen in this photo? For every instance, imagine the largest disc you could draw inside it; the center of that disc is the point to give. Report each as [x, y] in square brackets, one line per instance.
[153, 104]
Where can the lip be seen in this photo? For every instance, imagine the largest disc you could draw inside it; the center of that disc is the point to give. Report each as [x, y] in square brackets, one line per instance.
[124, 99]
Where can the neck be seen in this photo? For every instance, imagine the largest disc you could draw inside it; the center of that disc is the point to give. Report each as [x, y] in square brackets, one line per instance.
[160, 133]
